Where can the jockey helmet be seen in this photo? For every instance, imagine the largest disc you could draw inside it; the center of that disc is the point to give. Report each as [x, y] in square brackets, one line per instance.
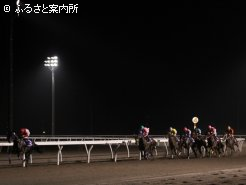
[25, 132]
[209, 126]
[141, 126]
[228, 127]
[171, 128]
[146, 129]
[185, 128]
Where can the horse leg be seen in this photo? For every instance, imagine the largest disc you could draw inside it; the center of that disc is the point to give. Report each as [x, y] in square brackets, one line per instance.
[202, 151]
[236, 144]
[24, 160]
[194, 151]
[218, 151]
[228, 150]
[221, 148]
[199, 148]
[147, 154]
[26, 156]
[210, 152]
[177, 152]
[142, 153]
[9, 157]
[172, 150]
[188, 152]
[9, 154]
[207, 151]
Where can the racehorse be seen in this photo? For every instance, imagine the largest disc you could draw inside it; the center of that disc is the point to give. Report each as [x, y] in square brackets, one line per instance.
[215, 146]
[146, 146]
[200, 144]
[230, 143]
[173, 144]
[186, 143]
[21, 148]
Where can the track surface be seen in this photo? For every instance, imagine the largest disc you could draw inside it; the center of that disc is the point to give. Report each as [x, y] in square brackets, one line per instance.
[75, 171]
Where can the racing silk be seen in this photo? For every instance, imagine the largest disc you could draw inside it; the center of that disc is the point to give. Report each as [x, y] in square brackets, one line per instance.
[28, 142]
[198, 131]
[188, 133]
[145, 131]
[230, 132]
[173, 132]
[24, 132]
[213, 131]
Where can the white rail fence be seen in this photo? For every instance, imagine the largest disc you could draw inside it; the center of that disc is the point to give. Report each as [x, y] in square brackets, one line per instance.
[113, 141]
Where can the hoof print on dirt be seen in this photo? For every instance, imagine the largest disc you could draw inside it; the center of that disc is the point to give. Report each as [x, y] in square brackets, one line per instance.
[226, 182]
[215, 174]
[199, 180]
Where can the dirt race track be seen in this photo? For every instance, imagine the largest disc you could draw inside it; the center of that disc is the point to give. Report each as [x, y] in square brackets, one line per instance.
[75, 171]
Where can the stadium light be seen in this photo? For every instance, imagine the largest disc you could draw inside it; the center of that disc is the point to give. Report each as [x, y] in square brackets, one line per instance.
[52, 64]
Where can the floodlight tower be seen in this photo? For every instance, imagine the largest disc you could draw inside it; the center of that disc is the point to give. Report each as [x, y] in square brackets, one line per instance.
[52, 63]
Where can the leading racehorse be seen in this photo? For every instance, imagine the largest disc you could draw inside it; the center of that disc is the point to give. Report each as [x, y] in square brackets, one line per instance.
[21, 147]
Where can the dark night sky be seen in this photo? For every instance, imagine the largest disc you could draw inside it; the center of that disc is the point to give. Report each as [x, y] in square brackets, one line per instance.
[125, 66]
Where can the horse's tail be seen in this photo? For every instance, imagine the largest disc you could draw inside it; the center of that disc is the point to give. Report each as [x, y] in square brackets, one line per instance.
[36, 147]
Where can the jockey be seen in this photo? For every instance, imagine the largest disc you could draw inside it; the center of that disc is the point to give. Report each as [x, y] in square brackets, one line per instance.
[173, 131]
[140, 131]
[25, 133]
[145, 134]
[229, 132]
[212, 130]
[145, 131]
[198, 131]
[187, 132]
